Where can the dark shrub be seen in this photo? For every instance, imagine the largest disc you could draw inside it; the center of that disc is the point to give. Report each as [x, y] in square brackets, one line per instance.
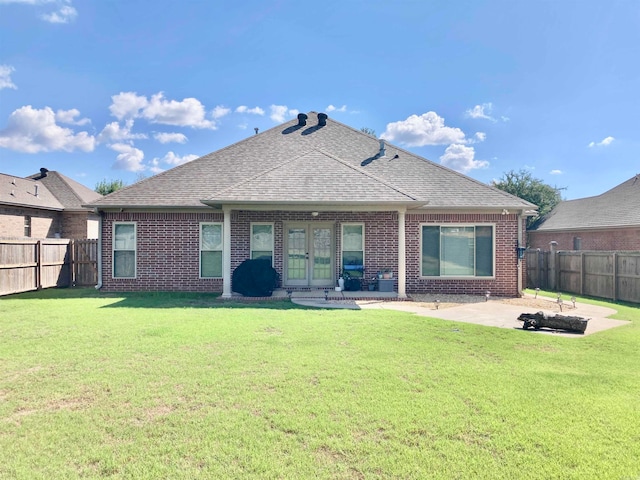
[255, 278]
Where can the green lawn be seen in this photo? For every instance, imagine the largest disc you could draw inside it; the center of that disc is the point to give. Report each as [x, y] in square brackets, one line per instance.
[185, 386]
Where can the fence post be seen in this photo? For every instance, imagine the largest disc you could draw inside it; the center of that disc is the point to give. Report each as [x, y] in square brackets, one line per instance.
[72, 263]
[582, 273]
[38, 265]
[553, 284]
[615, 276]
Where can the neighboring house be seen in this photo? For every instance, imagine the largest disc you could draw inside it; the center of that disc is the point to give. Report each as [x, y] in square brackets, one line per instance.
[46, 205]
[610, 221]
[315, 197]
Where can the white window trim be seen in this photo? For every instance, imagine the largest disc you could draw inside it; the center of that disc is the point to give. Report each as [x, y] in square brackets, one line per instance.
[113, 250]
[200, 248]
[273, 238]
[350, 224]
[461, 277]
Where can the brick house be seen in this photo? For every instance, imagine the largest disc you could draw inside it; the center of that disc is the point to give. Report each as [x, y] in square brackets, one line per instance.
[610, 221]
[315, 197]
[46, 205]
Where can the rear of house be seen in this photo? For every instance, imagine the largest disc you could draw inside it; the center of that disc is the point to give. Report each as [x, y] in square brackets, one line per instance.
[318, 199]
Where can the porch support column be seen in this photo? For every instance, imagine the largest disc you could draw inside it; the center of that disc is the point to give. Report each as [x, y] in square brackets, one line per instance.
[402, 257]
[226, 254]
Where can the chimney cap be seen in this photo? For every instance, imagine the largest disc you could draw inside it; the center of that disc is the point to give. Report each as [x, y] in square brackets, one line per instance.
[302, 119]
[322, 119]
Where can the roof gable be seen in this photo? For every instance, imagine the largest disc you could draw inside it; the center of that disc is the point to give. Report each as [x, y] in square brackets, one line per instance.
[71, 194]
[315, 176]
[26, 192]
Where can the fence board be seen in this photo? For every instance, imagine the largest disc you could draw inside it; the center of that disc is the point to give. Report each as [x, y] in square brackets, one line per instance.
[612, 275]
[32, 264]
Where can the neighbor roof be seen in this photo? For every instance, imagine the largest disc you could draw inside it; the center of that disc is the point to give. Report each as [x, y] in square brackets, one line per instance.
[21, 192]
[312, 163]
[618, 207]
[71, 194]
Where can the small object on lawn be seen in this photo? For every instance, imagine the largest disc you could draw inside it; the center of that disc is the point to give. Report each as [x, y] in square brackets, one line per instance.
[487, 295]
[289, 292]
[561, 322]
[560, 303]
[573, 300]
[436, 303]
[559, 295]
[537, 291]
[326, 295]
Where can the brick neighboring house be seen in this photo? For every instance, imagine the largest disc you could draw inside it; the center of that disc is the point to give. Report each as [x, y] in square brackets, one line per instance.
[46, 205]
[610, 221]
[315, 197]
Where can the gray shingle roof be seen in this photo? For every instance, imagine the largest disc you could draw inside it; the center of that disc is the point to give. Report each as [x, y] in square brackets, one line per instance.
[311, 163]
[71, 194]
[617, 207]
[22, 192]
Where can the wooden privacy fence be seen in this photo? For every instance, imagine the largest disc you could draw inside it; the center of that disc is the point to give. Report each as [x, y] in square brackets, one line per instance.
[612, 275]
[34, 264]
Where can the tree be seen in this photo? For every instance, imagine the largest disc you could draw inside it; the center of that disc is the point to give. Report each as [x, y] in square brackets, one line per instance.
[522, 184]
[368, 131]
[105, 187]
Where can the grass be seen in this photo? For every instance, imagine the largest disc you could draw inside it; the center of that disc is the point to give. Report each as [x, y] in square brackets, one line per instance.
[185, 386]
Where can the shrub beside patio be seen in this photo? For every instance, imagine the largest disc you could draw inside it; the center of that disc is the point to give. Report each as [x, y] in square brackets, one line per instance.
[187, 386]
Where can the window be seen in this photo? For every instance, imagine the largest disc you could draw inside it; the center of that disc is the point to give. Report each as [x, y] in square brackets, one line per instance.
[210, 250]
[124, 250]
[457, 250]
[353, 247]
[27, 226]
[262, 241]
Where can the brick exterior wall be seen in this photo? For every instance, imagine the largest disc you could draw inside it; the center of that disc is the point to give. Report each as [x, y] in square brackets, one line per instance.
[622, 239]
[168, 248]
[44, 224]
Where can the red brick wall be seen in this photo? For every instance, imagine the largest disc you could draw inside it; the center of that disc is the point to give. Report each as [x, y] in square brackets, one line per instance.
[168, 244]
[625, 239]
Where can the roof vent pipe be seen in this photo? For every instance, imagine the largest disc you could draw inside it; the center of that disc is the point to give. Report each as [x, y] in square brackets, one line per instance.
[302, 119]
[322, 119]
[382, 148]
[36, 185]
[256, 129]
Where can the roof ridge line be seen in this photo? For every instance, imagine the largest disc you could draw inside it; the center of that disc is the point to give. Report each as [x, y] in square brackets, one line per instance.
[258, 175]
[370, 175]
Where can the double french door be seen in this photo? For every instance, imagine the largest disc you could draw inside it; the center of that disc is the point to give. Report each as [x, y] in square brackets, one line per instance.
[309, 255]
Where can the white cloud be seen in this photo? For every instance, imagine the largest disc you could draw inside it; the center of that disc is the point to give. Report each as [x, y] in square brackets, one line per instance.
[279, 113]
[461, 158]
[480, 136]
[127, 105]
[5, 77]
[129, 158]
[426, 129]
[172, 159]
[69, 117]
[31, 130]
[556, 172]
[605, 142]
[481, 111]
[219, 111]
[187, 113]
[163, 137]
[113, 132]
[65, 14]
[253, 111]
[331, 108]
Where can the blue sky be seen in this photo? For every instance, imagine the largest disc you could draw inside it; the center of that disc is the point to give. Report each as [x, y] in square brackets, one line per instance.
[122, 89]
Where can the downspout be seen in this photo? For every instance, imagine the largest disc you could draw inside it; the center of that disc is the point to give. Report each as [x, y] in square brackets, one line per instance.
[99, 284]
[520, 244]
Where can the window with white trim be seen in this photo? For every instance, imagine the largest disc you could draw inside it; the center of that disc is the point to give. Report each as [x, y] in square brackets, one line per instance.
[458, 250]
[124, 250]
[27, 226]
[211, 250]
[353, 247]
[262, 241]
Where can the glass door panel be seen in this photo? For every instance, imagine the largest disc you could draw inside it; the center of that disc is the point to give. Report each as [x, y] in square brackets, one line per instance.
[322, 273]
[297, 256]
[310, 253]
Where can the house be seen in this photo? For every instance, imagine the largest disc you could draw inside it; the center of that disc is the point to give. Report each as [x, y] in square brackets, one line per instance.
[610, 221]
[315, 197]
[46, 205]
